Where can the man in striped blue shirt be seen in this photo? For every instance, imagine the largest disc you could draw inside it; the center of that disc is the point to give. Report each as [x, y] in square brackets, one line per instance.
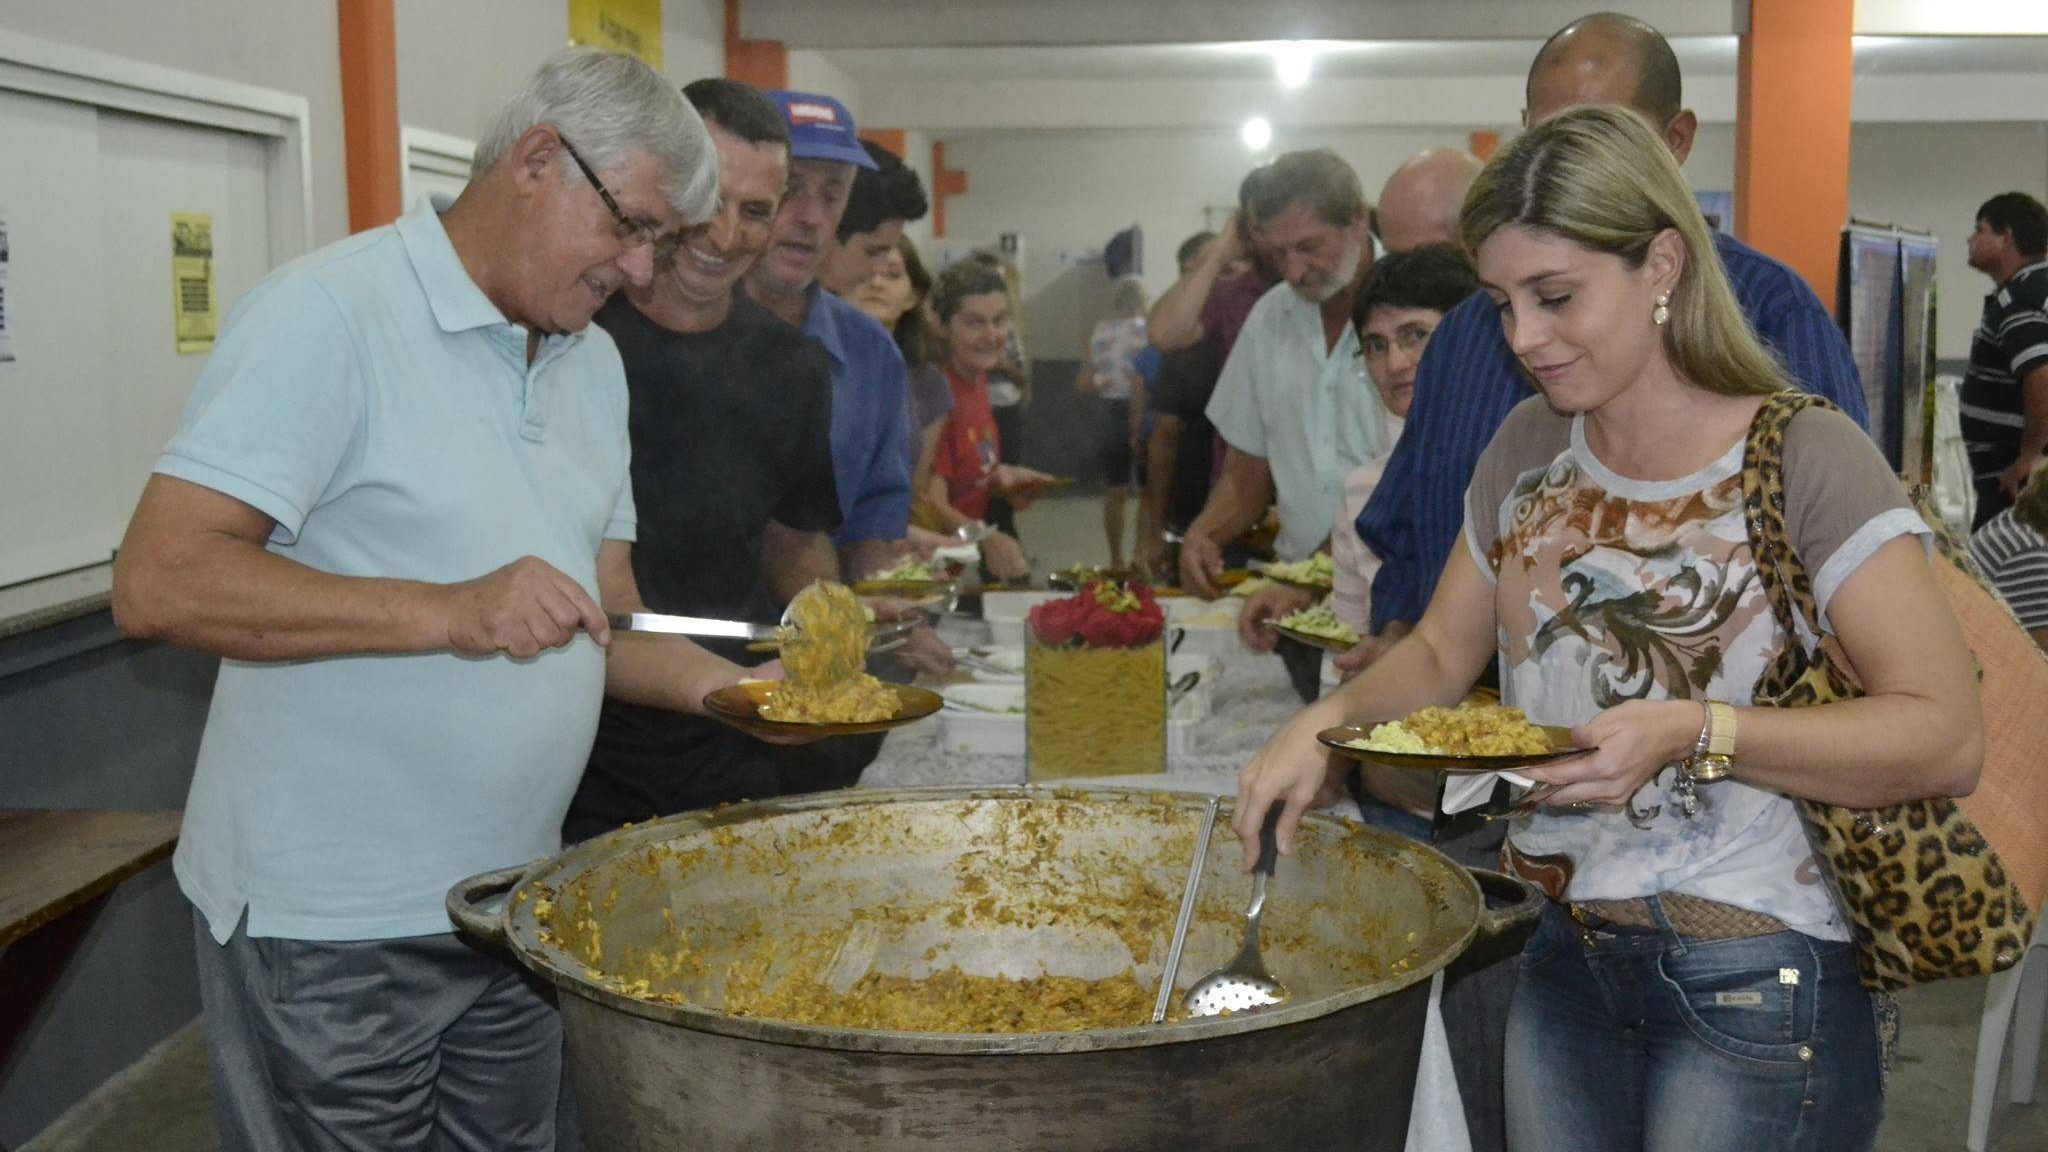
[1469, 379]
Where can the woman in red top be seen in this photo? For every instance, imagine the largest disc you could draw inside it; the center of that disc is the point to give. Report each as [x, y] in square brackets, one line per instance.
[973, 312]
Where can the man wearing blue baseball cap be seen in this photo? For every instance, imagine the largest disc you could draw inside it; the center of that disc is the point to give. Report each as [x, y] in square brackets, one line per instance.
[870, 416]
[870, 409]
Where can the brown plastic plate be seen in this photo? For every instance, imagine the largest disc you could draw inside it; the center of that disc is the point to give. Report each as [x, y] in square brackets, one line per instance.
[1335, 740]
[740, 705]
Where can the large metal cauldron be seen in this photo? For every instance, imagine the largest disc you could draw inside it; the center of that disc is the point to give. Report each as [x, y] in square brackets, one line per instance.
[1015, 882]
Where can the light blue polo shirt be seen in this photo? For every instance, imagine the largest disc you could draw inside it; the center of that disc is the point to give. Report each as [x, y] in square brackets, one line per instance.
[1303, 407]
[374, 403]
[871, 440]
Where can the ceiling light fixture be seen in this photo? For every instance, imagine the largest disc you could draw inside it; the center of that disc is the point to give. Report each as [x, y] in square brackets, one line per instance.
[1293, 60]
[1257, 133]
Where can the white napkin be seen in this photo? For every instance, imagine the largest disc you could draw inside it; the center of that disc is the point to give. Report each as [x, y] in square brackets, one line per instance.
[1462, 792]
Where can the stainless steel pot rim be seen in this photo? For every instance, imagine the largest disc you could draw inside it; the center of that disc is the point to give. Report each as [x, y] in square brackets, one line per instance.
[563, 971]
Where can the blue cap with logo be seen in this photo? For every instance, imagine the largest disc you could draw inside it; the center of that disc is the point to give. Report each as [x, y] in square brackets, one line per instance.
[820, 128]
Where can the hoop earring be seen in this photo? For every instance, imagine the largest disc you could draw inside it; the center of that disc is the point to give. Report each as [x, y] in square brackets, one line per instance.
[1662, 312]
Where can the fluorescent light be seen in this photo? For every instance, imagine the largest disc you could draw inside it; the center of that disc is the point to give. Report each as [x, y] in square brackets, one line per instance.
[1257, 133]
[1293, 60]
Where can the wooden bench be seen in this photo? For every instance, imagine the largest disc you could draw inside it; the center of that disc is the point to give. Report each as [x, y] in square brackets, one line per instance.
[57, 868]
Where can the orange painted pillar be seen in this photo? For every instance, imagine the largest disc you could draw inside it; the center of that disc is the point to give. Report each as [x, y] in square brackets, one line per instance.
[762, 63]
[945, 182]
[1483, 144]
[369, 113]
[1792, 133]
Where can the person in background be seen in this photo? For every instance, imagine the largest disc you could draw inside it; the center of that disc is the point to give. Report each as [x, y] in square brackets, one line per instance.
[731, 420]
[1400, 304]
[398, 505]
[1288, 406]
[1009, 389]
[871, 442]
[895, 296]
[1109, 372]
[2012, 549]
[972, 307]
[870, 414]
[882, 200]
[1179, 450]
[1418, 205]
[1691, 983]
[2005, 389]
[1469, 378]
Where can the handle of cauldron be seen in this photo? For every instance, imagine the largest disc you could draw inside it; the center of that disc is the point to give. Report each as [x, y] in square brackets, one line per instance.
[1527, 907]
[463, 897]
[1187, 911]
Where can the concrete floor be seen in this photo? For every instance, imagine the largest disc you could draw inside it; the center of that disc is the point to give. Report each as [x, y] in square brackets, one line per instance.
[162, 1103]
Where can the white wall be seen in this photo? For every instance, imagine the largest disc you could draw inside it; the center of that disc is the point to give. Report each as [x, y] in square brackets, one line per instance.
[815, 72]
[1071, 190]
[286, 45]
[1074, 189]
[1933, 177]
[446, 84]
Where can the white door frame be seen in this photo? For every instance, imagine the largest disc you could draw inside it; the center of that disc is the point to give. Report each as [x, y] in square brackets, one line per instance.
[433, 151]
[64, 72]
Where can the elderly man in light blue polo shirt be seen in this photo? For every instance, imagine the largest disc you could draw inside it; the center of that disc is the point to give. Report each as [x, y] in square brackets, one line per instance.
[398, 506]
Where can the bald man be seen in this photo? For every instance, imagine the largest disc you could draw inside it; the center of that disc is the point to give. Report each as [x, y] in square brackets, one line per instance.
[1419, 203]
[1466, 384]
[1468, 379]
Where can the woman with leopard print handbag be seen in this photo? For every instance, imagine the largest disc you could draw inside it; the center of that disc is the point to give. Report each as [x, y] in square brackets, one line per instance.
[1694, 984]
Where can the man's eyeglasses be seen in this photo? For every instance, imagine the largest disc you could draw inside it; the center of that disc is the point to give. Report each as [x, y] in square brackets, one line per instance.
[629, 232]
[1409, 338]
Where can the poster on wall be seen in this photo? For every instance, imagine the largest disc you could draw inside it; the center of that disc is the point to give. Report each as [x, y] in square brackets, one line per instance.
[192, 281]
[6, 300]
[630, 26]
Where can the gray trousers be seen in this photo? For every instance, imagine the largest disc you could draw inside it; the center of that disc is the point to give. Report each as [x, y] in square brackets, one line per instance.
[420, 1044]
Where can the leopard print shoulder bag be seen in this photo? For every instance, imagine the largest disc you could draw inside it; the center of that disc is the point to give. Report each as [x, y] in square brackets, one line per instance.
[1925, 886]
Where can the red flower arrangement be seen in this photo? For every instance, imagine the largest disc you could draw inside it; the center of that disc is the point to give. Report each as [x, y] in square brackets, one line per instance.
[1103, 614]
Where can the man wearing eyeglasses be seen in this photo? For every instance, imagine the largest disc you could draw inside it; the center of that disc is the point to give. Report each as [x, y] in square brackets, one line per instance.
[398, 507]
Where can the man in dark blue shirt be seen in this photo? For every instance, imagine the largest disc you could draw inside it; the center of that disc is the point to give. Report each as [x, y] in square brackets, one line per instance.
[1468, 379]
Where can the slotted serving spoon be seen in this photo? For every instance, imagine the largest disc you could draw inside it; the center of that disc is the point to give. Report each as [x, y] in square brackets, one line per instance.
[1244, 983]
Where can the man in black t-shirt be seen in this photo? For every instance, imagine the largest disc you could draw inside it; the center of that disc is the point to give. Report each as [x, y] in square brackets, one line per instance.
[2005, 391]
[730, 421]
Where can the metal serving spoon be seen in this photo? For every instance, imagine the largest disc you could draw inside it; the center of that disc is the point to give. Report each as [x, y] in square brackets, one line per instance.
[1187, 911]
[1244, 983]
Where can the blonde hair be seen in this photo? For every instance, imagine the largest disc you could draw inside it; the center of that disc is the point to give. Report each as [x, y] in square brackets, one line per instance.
[1598, 176]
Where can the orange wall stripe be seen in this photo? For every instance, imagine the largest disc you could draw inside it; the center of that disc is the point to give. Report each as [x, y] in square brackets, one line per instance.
[1792, 133]
[369, 112]
[889, 140]
[945, 182]
[1483, 144]
[762, 63]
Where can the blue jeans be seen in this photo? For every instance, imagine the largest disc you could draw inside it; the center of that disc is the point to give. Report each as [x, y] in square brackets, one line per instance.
[1644, 1039]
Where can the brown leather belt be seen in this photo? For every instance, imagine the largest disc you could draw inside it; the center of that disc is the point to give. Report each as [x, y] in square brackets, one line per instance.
[1691, 916]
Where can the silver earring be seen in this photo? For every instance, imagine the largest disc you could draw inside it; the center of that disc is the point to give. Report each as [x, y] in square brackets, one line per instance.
[1663, 310]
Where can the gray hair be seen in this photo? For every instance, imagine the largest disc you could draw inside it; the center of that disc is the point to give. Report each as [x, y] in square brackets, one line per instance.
[609, 106]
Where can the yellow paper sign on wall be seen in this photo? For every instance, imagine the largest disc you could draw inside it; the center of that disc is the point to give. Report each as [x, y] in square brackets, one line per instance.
[632, 26]
[192, 297]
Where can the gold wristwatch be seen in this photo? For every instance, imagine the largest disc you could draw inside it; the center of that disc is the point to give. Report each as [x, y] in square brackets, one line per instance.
[1714, 755]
